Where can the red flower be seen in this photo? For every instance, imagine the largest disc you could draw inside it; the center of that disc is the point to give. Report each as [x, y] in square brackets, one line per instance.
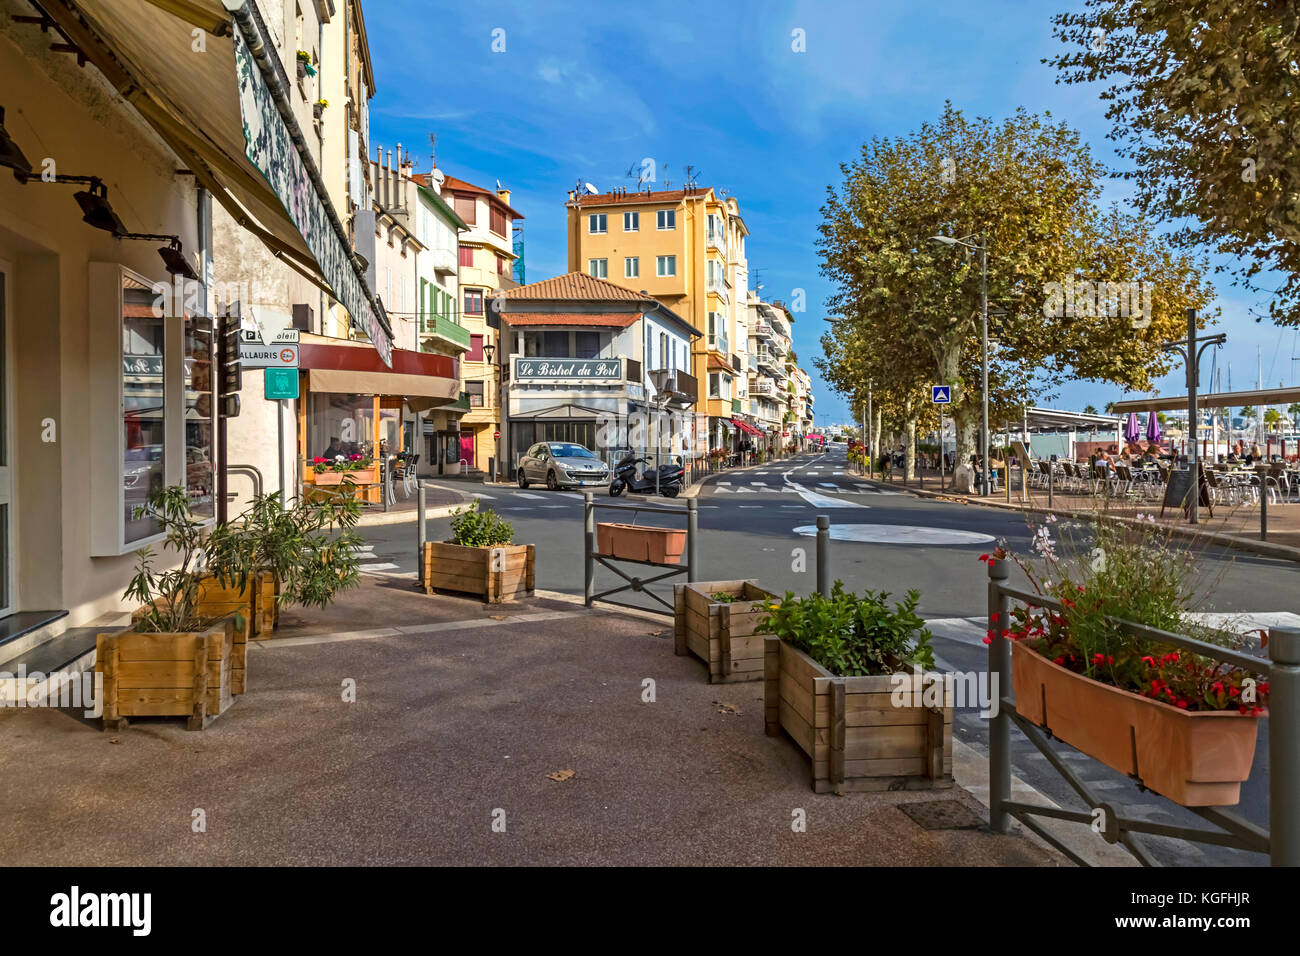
[986, 558]
[993, 618]
[1233, 692]
[1149, 660]
[1182, 705]
[989, 639]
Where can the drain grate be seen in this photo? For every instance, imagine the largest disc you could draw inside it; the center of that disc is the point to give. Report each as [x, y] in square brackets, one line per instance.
[943, 815]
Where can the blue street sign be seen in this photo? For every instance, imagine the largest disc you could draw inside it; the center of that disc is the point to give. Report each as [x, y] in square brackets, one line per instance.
[941, 394]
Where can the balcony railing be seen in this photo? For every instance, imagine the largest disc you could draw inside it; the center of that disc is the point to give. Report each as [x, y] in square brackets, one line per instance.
[719, 288]
[763, 330]
[763, 387]
[443, 328]
[717, 240]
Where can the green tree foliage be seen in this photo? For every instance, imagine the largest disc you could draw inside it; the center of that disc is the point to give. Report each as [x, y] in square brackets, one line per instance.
[1204, 97]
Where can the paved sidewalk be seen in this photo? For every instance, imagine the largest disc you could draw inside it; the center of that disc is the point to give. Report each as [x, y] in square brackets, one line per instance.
[461, 713]
[440, 501]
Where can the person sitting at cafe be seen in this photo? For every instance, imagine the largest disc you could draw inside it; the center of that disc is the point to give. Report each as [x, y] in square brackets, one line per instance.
[334, 450]
[1255, 454]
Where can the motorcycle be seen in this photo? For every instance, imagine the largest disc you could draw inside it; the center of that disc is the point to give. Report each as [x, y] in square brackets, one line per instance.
[626, 478]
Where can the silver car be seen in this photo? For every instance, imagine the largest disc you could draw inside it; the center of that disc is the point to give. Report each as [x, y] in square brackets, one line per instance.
[561, 464]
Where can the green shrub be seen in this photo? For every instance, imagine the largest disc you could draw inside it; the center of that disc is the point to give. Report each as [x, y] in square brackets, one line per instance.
[472, 528]
[853, 636]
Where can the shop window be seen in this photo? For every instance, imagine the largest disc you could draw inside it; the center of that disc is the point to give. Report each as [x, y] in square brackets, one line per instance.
[555, 345]
[144, 415]
[339, 424]
[199, 421]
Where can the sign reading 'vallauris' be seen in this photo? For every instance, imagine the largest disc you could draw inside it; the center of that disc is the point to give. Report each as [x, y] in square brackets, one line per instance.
[568, 370]
[270, 147]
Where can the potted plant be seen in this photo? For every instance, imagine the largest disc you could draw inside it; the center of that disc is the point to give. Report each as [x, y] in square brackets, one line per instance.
[304, 64]
[354, 468]
[832, 673]
[479, 559]
[1182, 723]
[305, 554]
[631, 542]
[319, 107]
[717, 621]
[175, 659]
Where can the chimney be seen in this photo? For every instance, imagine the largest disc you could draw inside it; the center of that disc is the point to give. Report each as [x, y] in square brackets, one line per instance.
[504, 196]
[572, 195]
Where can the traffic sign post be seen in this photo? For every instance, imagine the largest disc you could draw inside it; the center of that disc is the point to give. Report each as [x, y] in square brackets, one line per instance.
[941, 394]
[230, 379]
[280, 383]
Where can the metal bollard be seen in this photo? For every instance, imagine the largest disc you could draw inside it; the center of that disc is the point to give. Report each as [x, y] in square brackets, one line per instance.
[1000, 724]
[692, 539]
[1284, 746]
[588, 546]
[420, 533]
[824, 555]
[1263, 508]
[1051, 481]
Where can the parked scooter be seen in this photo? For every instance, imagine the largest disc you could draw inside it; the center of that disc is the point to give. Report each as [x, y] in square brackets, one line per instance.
[670, 478]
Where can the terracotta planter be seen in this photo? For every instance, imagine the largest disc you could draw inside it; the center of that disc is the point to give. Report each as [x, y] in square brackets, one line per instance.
[637, 543]
[1195, 758]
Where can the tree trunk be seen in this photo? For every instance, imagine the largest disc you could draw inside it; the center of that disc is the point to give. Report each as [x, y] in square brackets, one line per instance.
[909, 450]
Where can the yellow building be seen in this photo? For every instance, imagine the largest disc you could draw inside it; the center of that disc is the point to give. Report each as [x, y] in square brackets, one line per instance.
[686, 248]
[486, 259]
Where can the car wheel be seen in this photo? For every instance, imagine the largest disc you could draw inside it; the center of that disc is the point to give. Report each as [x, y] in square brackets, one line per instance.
[523, 479]
[616, 487]
[551, 481]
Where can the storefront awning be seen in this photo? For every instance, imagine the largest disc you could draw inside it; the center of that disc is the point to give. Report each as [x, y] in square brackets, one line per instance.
[355, 369]
[746, 427]
[224, 111]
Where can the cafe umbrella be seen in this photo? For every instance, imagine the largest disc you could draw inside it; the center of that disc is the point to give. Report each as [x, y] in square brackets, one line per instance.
[1153, 427]
[1132, 432]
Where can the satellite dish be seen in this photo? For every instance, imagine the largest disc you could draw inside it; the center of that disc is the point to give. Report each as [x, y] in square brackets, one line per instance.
[590, 188]
[499, 186]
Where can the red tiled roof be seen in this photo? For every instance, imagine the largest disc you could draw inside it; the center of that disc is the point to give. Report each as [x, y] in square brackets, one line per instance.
[663, 196]
[717, 365]
[460, 186]
[577, 285]
[607, 320]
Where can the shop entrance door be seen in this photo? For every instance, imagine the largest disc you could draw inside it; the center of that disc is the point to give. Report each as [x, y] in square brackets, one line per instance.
[7, 601]
[467, 448]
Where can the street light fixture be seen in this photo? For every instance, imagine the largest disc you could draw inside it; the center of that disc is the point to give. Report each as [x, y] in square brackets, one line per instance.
[1190, 349]
[981, 246]
[488, 351]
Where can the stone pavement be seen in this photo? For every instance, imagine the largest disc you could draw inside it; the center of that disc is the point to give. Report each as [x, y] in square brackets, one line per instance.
[461, 713]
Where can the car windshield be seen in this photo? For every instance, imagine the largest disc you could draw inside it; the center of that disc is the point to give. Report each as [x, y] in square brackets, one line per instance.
[566, 450]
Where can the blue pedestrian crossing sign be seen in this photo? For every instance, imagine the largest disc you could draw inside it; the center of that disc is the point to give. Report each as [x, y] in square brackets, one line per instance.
[941, 394]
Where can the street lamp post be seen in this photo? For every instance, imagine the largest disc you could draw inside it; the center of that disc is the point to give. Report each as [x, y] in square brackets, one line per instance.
[489, 349]
[983, 248]
[1191, 349]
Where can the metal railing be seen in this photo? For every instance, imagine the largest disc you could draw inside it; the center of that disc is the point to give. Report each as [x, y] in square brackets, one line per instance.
[1281, 841]
[593, 557]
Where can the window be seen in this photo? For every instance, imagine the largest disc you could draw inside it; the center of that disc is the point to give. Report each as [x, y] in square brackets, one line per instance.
[631, 222]
[715, 227]
[340, 424]
[501, 265]
[498, 221]
[466, 208]
[475, 391]
[555, 345]
[596, 223]
[667, 218]
[715, 385]
[598, 268]
[665, 266]
[586, 345]
[632, 267]
[200, 344]
[466, 257]
[144, 417]
[665, 360]
[475, 353]
[473, 302]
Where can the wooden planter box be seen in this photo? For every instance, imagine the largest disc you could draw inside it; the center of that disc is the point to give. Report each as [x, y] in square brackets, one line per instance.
[256, 601]
[638, 543]
[362, 476]
[494, 574]
[190, 675]
[854, 736]
[1195, 758]
[721, 633]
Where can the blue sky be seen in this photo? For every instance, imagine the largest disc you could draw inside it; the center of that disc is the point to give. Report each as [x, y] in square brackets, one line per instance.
[585, 91]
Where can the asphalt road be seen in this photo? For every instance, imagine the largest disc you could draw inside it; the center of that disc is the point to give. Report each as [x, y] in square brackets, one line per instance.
[758, 524]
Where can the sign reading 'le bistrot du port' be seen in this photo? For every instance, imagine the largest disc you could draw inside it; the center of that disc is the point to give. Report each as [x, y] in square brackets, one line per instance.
[559, 370]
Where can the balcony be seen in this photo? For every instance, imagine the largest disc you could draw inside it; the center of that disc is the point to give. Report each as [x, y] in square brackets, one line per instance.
[435, 326]
[676, 385]
[761, 387]
[718, 287]
[717, 240]
[445, 261]
[763, 330]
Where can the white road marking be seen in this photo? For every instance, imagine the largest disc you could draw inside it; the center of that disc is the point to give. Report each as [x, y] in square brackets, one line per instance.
[826, 484]
[524, 494]
[479, 494]
[898, 534]
[376, 567]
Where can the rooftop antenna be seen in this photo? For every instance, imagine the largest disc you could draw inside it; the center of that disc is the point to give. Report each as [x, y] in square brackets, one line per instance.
[691, 176]
[433, 151]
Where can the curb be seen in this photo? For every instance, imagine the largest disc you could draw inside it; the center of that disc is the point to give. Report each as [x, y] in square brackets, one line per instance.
[373, 519]
[1235, 542]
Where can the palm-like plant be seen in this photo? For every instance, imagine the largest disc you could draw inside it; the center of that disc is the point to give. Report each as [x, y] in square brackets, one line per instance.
[170, 598]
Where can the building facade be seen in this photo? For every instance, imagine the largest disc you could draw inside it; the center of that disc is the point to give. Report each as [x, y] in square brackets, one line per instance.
[593, 362]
